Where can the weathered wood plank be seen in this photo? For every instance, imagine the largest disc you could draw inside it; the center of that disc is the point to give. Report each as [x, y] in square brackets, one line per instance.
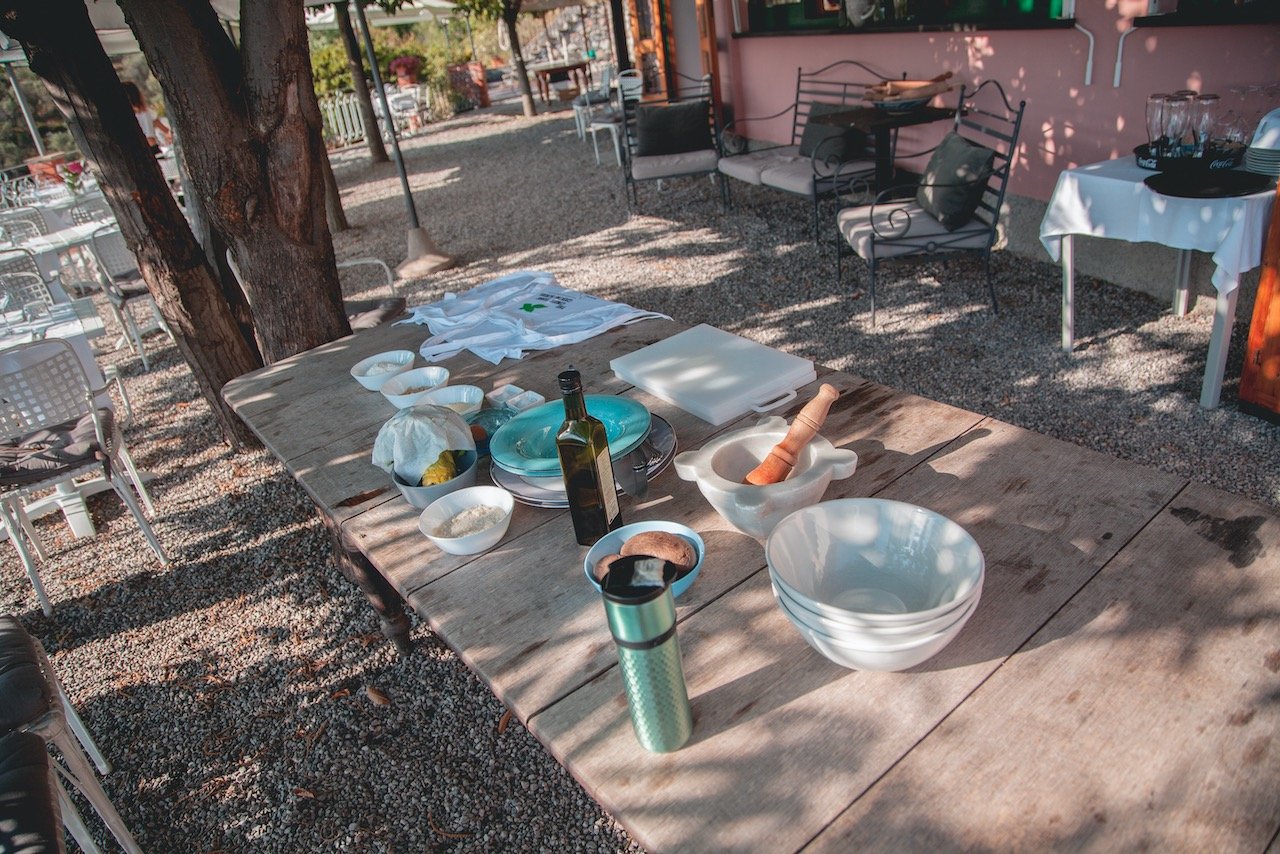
[1144, 715]
[785, 740]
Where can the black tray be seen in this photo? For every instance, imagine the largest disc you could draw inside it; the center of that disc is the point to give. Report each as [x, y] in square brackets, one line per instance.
[1212, 185]
[1218, 158]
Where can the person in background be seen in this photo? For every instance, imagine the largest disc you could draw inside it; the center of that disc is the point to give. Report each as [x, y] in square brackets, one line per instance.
[153, 127]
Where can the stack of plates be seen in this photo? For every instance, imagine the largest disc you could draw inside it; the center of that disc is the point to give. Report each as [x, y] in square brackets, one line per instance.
[1262, 161]
[1263, 153]
[524, 449]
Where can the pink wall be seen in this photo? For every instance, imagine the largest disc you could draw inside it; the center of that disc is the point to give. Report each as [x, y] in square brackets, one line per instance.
[1066, 123]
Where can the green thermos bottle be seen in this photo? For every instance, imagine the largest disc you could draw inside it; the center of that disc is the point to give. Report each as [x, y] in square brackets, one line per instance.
[642, 618]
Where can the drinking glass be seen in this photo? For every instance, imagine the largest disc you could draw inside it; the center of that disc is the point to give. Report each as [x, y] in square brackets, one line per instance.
[1205, 119]
[1155, 122]
[1177, 117]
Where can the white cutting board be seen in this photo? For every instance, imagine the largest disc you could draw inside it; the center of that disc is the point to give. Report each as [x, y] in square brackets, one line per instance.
[714, 374]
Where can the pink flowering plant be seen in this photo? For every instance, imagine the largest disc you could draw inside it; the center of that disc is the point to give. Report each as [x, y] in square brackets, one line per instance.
[406, 65]
[72, 173]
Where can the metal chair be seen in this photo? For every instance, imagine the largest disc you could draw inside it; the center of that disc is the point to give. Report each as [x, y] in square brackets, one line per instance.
[91, 209]
[18, 290]
[51, 430]
[894, 228]
[124, 287]
[19, 261]
[22, 219]
[690, 158]
[37, 712]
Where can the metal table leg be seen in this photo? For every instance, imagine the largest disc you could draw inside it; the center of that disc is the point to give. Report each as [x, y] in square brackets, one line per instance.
[1067, 250]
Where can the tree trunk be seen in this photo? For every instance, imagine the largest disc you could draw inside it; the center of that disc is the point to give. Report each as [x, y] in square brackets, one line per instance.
[64, 51]
[510, 12]
[333, 211]
[251, 127]
[360, 82]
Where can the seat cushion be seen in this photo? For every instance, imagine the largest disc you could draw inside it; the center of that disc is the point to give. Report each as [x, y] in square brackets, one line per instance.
[28, 694]
[368, 313]
[796, 175]
[672, 165]
[673, 128]
[955, 179]
[896, 237]
[836, 143]
[47, 452]
[750, 166]
[30, 820]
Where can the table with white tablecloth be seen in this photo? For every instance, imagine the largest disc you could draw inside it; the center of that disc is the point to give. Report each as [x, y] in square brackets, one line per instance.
[1109, 199]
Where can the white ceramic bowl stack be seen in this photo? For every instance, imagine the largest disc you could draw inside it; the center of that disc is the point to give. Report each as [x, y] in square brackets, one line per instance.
[874, 584]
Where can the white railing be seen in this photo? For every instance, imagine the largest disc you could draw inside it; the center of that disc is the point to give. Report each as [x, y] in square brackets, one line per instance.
[340, 117]
[340, 114]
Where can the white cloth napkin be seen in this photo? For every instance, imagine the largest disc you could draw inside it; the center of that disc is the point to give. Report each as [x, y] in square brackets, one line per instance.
[523, 311]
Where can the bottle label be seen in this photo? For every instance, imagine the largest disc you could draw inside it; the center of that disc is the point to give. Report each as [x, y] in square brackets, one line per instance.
[608, 492]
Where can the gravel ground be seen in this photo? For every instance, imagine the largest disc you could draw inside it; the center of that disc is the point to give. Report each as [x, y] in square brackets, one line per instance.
[244, 693]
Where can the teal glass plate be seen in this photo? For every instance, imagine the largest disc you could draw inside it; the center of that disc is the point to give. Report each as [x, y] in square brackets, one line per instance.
[526, 445]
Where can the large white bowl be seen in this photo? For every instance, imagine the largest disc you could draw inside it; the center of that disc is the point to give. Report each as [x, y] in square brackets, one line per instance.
[454, 503]
[462, 399]
[882, 562]
[422, 496]
[410, 387]
[611, 543]
[884, 657]
[401, 359]
[855, 629]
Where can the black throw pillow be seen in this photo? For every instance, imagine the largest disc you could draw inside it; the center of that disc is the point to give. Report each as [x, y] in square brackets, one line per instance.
[845, 144]
[673, 128]
[961, 168]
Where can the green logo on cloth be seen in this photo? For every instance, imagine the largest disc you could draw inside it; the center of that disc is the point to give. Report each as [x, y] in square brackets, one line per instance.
[531, 306]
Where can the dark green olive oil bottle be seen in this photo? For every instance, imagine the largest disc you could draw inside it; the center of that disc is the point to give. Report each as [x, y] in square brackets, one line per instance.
[583, 448]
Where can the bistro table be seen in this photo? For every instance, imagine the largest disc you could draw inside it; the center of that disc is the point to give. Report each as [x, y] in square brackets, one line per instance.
[580, 71]
[1109, 199]
[1115, 688]
[881, 125]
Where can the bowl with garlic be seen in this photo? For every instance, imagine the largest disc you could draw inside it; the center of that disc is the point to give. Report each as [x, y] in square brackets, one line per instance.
[428, 451]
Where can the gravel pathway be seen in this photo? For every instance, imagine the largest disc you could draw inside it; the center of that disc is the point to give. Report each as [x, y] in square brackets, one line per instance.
[244, 693]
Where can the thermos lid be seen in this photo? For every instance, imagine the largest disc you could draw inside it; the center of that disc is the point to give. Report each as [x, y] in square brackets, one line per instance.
[637, 579]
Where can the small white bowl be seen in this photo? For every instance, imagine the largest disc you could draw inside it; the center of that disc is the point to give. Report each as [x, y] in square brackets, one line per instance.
[446, 508]
[390, 363]
[406, 389]
[422, 496]
[462, 399]
[611, 543]
[524, 400]
[500, 395]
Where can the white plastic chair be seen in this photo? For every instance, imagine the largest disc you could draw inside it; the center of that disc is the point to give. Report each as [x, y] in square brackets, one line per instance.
[46, 409]
[124, 287]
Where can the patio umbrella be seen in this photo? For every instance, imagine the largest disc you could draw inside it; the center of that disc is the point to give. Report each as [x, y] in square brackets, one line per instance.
[117, 40]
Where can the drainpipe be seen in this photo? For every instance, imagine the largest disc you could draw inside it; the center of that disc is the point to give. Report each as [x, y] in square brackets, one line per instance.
[1069, 11]
[1115, 82]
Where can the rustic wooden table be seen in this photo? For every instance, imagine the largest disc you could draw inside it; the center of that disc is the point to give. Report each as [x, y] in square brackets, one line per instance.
[1117, 687]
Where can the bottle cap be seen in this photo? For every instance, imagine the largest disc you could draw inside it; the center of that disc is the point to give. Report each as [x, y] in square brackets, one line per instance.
[570, 381]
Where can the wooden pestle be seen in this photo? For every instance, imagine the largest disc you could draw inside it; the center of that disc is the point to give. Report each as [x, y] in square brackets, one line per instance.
[782, 459]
